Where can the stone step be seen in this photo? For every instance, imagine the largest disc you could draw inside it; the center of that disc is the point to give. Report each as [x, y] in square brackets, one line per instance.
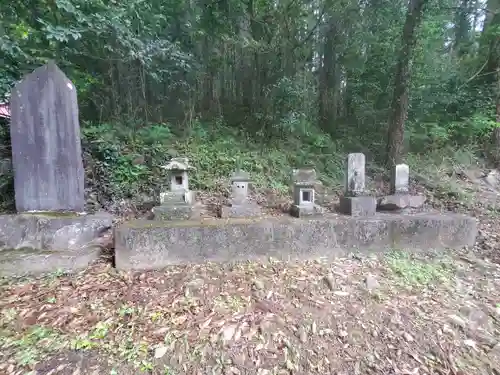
[46, 242]
[32, 262]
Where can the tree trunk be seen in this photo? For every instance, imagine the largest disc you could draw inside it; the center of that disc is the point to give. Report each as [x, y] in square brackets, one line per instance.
[328, 85]
[496, 131]
[399, 106]
[462, 28]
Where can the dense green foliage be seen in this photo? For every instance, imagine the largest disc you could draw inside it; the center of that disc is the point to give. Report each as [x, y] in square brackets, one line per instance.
[126, 162]
[262, 84]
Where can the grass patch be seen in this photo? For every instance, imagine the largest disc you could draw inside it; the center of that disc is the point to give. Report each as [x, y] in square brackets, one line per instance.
[33, 345]
[414, 272]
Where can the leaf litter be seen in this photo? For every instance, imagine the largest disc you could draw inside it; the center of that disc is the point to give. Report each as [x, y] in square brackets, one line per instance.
[391, 313]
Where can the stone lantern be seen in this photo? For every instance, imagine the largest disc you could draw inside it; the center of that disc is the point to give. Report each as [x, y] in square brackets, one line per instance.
[239, 187]
[178, 169]
[177, 203]
[239, 205]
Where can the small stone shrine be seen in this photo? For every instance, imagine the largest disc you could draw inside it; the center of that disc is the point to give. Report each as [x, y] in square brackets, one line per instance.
[176, 204]
[304, 193]
[400, 198]
[240, 205]
[356, 201]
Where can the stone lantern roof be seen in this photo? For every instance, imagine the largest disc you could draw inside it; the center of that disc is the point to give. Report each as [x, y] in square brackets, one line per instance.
[304, 177]
[240, 176]
[178, 164]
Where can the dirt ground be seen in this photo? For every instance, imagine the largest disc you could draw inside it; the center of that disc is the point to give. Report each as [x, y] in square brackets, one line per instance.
[393, 313]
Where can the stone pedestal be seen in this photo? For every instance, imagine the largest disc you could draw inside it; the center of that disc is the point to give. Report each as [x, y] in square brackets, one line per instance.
[170, 197]
[173, 206]
[241, 210]
[32, 244]
[399, 202]
[358, 206]
[142, 246]
[173, 211]
[306, 210]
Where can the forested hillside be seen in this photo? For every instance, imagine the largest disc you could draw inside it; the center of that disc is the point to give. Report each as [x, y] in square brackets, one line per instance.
[264, 84]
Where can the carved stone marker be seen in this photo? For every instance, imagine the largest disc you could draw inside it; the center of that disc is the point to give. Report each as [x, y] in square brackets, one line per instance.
[400, 199]
[46, 148]
[356, 202]
[400, 179]
[355, 182]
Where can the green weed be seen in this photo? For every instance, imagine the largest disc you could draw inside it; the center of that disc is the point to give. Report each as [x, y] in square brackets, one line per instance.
[33, 345]
[417, 272]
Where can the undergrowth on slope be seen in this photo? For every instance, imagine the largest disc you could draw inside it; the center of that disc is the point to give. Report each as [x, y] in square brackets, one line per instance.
[124, 160]
[440, 169]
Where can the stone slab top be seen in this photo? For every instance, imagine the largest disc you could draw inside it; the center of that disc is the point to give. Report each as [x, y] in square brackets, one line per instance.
[52, 214]
[240, 176]
[211, 222]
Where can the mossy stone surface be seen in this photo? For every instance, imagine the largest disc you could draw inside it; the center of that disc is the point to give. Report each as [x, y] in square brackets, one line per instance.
[54, 214]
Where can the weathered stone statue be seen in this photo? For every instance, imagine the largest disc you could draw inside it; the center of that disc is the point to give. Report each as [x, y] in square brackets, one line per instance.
[356, 202]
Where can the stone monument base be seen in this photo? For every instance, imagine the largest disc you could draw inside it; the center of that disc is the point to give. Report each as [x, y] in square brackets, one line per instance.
[306, 210]
[180, 211]
[240, 210]
[398, 202]
[358, 206]
[33, 243]
[32, 262]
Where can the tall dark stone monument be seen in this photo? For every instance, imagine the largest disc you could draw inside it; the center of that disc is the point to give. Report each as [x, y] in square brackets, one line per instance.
[46, 147]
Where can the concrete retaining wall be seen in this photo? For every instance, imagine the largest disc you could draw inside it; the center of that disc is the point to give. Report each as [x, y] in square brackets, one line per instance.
[141, 245]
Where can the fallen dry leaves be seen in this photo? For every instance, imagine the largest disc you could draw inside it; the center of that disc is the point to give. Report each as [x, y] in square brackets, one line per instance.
[358, 315]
